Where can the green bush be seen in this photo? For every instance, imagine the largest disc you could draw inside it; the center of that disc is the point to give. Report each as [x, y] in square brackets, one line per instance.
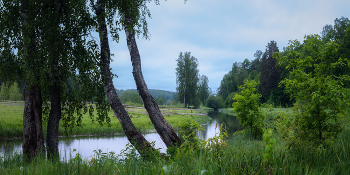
[214, 102]
[247, 108]
[188, 133]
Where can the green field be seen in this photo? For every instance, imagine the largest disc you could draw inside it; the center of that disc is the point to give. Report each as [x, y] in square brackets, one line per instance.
[11, 122]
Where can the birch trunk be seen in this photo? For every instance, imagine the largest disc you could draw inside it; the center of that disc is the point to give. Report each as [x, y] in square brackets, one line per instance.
[54, 120]
[133, 135]
[165, 131]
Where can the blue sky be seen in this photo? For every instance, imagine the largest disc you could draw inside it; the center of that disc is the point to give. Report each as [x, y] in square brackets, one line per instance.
[218, 33]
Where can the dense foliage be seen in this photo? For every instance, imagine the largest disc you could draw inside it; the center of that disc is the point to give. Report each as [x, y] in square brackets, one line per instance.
[265, 70]
[248, 110]
[214, 102]
[316, 84]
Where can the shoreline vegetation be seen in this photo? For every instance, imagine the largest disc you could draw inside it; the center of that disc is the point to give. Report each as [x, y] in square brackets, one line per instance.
[11, 121]
[238, 154]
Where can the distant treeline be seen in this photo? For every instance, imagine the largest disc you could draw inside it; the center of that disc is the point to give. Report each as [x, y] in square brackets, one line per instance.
[11, 90]
[265, 69]
[162, 97]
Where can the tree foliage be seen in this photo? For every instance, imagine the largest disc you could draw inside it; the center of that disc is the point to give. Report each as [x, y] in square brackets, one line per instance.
[322, 93]
[246, 106]
[214, 102]
[269, 74]
[4, 91]
[231, 81]
[187, 78]
[203, 89]
[14, 92]
[45, 44]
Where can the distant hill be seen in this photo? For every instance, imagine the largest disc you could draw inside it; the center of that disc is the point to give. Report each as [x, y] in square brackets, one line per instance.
[154, 92]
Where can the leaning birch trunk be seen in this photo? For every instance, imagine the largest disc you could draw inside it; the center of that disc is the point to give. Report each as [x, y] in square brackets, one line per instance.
[133, 135]
[165, 131]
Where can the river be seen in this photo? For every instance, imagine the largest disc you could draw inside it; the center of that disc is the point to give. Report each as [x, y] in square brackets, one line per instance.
[85, 145]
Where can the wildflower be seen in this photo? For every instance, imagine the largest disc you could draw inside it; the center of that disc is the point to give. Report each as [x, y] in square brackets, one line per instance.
[21, 168]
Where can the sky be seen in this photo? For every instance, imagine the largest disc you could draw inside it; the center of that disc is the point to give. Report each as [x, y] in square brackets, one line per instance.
[218, 33]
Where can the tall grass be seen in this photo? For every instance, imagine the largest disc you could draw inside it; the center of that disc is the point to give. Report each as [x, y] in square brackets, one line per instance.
[242, 155]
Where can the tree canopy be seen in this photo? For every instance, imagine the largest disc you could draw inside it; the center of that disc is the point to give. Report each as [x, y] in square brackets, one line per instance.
[187, 78]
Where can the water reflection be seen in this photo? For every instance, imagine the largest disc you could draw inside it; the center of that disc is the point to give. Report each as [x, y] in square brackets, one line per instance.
[86, 145]
[231, 121]
[8, 147]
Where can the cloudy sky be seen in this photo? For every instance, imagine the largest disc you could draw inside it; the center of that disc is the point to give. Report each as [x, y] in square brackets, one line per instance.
[218, 33]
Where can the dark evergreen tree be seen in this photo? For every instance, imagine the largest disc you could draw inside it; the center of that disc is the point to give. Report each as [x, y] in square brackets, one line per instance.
[269, 74]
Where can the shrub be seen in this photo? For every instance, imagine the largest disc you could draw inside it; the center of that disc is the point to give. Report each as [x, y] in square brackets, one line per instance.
[214, 102]
[247, 108]
[188, 133]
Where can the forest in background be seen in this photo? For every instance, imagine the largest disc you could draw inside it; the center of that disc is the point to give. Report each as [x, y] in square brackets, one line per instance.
[265, 69]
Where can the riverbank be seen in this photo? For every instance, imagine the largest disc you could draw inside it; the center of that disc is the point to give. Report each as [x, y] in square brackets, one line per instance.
[11, 122]
[241, 155]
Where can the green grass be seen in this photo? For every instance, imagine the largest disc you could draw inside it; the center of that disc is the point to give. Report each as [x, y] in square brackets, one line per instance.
[11, 122]
[242, 155]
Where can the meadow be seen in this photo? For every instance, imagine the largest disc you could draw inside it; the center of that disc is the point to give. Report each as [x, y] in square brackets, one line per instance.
[11, 122]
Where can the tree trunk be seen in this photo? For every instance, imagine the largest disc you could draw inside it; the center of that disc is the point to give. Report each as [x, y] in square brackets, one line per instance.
[33, 139]
[133, 135]
[55, 89]
[165, 131]
[54, 120]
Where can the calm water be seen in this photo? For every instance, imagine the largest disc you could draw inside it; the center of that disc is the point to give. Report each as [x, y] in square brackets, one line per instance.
[86, 145]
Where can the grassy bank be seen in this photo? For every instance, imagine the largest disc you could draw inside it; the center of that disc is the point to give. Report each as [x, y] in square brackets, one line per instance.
[11, 122]
[241, 155]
